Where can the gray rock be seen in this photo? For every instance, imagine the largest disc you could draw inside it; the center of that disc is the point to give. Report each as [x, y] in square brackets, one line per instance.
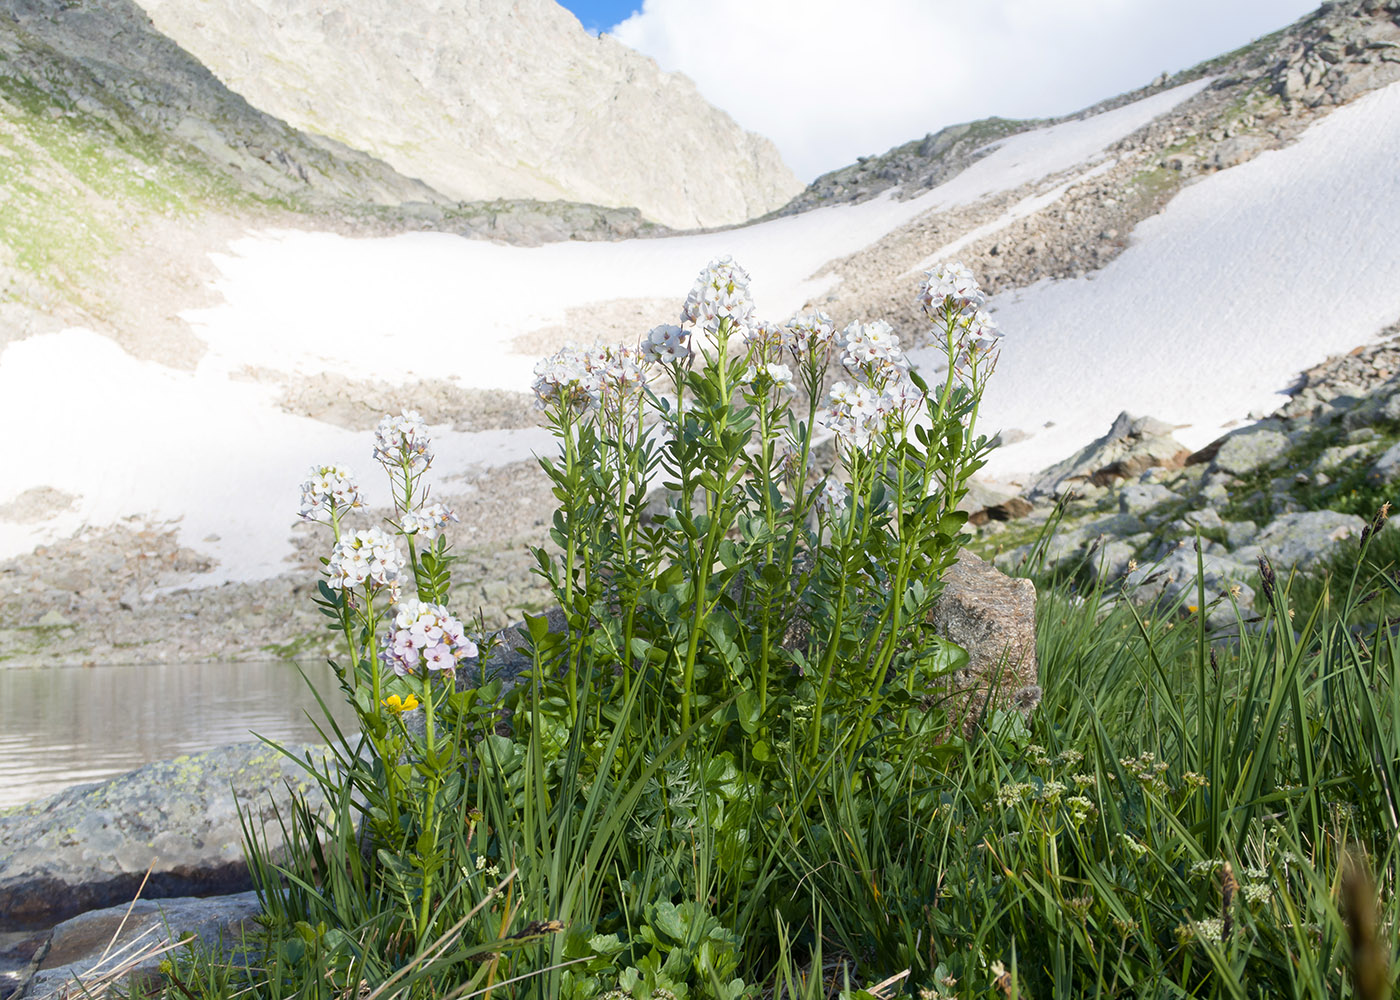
[1138, 498]
[1235, 151]
[1386, 468]
[1339, 456]
[113, 944]
[1251, 448]
[1206, 519]
[992, 616]
[1131, 446]
[90, 846]
[1239, 533]
[1112, 559]
[1171, 581]
[1303, 538]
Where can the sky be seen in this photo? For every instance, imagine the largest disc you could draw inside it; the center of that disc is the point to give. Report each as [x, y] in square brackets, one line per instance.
[828, 85]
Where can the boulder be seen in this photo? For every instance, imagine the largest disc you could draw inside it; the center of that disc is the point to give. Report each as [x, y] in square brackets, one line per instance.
[1386, 468]
[1302, 539]
[1239, 533]
[1171, 582]
[992, 616]
[1131, 446]
[118, 943]
[1251, 448]
[1138, 498]
[90, 846]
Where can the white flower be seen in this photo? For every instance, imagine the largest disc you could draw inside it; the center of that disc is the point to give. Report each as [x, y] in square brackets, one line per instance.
[429, 521]
[852, 413]
[666, 343]
[832, 495]
[367, 556]
[425, 638]
[403, 441]
[329, 488]
[812, 333]
[950, 289]
[872, 349]
[585, 379]
[568, 378]
[901, 398]
[766, 336]
[760, 377]
[981, 334]
[721, 291]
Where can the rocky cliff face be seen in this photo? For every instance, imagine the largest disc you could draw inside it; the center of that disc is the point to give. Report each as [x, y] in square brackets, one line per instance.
[488, 99]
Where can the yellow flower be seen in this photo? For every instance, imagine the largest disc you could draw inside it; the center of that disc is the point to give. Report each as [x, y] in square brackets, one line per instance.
[397, 706]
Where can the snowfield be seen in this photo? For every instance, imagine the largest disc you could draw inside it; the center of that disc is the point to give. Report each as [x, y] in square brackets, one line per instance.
[1247, 277]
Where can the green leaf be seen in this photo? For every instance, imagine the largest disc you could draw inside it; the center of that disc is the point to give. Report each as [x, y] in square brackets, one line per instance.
[748, 704]
[538, 626]
[667, 919]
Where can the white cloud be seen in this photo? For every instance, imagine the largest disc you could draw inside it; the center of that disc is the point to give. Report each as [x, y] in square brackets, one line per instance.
[830, 80]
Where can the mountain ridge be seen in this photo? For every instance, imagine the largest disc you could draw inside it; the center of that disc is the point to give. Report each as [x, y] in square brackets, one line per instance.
[510, 100]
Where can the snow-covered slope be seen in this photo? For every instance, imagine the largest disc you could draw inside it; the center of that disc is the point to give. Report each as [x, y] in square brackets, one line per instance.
[1248, 275]
[1246, 278]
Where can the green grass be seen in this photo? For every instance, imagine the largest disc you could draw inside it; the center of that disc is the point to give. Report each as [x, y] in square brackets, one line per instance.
[1078, 854]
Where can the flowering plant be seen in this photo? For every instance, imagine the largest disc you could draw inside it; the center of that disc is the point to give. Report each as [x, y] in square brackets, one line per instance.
[699, 600]
[403, 652]
[753, 520]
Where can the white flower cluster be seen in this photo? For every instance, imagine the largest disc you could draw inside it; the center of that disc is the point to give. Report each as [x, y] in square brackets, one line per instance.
[403, 441]
[872, 348]
[367, 556]
[587, 378]
[765, 337]
[852, 413]
[832, 496]
[328, 489]
[425, 637]
[666, 343]
[950, 290]
[812, 333]
[428, 521]
[721, 291]
[883, 391]
[759, 378]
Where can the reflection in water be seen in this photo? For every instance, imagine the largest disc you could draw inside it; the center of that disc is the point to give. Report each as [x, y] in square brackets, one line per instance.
[60, 726]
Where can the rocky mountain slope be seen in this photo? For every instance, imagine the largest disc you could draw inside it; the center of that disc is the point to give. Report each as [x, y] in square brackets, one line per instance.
[122, 155]
[1260, 98]
[489, 99]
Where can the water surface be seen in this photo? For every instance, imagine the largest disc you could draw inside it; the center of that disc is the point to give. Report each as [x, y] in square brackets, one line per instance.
[62, 726]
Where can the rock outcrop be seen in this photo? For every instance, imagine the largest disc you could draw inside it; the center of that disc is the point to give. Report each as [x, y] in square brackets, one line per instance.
[1297, 489]
[121, 943]
[91, 846]
[992, 617]
[489, 99]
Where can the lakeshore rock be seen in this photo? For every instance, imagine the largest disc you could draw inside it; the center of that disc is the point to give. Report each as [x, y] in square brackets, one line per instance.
[125, 941]
[992, 616]
[90, 846]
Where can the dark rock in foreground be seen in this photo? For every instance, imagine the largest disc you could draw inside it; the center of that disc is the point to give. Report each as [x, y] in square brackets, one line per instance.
[122, 942]
[90, 846]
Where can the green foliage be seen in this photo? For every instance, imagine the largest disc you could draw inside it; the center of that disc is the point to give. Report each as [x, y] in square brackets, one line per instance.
[730, 773]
